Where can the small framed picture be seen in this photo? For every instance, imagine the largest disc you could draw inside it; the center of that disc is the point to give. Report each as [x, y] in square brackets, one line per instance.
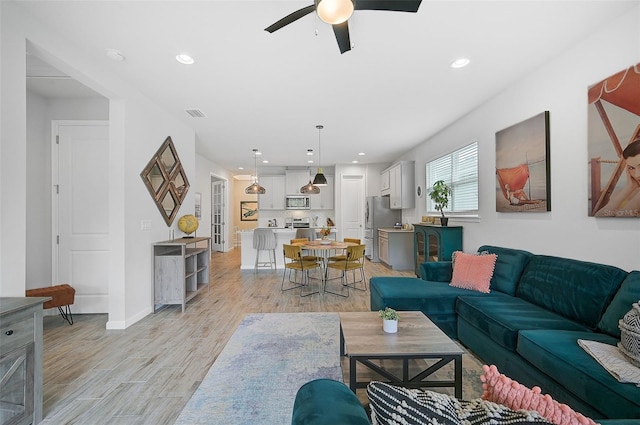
[248, 210]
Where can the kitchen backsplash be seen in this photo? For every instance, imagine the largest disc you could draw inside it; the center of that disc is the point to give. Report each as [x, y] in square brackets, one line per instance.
[316, 218]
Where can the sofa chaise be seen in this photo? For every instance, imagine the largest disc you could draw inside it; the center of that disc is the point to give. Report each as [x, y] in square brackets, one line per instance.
[529, 323]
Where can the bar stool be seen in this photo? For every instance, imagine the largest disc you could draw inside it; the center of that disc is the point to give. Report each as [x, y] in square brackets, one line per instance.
[265, 240]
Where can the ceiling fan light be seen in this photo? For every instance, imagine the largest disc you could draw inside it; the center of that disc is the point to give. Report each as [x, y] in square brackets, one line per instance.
[310, 189]
[334, 11]
[319, 179]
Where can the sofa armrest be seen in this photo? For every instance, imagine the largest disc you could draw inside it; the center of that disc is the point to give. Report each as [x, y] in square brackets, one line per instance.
[327, 402]
[436, 271]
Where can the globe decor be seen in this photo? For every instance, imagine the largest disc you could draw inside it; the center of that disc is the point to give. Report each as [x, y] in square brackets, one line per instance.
[188, 224]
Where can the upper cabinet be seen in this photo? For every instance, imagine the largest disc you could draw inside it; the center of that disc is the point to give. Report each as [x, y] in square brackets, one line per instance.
[324, 200]
[295, 180]
[401, 179]
[273, 199]
[385, 184]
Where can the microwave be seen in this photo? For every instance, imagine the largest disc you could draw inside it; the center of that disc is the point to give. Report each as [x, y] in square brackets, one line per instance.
[297, 202]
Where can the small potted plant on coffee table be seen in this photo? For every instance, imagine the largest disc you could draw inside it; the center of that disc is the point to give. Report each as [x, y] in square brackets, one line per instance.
[439, 194]
[390, 319]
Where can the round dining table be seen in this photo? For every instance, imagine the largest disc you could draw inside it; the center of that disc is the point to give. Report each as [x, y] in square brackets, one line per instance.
[322, 248]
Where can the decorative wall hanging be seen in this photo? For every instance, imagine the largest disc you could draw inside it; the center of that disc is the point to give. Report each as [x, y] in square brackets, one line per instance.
[614, 145]
[248, 211]
[166, 180]
[523, 166]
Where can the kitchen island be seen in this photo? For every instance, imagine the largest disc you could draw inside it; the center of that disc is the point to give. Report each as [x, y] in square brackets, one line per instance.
[283, 236]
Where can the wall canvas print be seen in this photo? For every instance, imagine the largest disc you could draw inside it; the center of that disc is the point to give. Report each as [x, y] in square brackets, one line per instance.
[523, 181]
[248, 210]
[614, 145]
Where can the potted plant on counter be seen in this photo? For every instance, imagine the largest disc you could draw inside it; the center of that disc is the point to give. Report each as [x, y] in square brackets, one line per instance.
[390, 319]
[439, 194]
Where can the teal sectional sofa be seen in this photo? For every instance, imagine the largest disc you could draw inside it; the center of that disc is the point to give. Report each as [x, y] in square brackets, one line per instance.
[529, 324]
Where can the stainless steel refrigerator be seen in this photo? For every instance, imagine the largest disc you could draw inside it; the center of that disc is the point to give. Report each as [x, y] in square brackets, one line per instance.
[377, 214]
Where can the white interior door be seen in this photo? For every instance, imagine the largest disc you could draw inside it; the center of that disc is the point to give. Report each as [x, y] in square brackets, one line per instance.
[218, 222]
[352, 206]
[81, 211]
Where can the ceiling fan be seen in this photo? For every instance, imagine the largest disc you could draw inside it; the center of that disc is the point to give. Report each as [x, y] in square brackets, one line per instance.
[337, 14]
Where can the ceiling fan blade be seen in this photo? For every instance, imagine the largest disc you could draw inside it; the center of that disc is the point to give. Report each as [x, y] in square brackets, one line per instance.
[342, 36]
[291, 18]
[395, 5]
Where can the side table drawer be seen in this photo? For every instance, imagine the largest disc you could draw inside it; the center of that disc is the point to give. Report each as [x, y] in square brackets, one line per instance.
[16, 334]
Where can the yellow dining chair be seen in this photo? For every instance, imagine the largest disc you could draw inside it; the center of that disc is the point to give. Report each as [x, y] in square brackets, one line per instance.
[343, 257]
[354, 261]
[293, 261]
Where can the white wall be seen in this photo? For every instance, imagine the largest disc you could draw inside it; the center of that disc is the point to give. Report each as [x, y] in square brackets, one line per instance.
[561, 88]
[136, 130]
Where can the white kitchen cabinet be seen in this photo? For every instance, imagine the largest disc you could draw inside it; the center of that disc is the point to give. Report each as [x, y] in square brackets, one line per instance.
[273, 198]
[383, 247]
[324, 200]
[401, 185]
[385, 184]
[295, 180]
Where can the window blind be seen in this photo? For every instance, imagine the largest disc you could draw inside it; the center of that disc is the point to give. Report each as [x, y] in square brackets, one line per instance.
[459, 170]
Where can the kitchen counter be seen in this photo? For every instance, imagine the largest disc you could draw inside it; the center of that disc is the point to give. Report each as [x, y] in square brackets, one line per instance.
[392, 229]
[395, 248]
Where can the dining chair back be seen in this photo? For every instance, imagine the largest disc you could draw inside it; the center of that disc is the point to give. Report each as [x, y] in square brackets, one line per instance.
[305, 252]
[354, 262]
[293, 260]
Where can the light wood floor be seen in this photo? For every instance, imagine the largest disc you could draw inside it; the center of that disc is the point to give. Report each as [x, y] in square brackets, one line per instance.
[146, 373]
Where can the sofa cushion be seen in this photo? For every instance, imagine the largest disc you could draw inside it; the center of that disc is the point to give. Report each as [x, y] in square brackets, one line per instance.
[435, 299]
[501, 318]
[577, 290]
[628, 293]
[471, 271]
[509, 266]
[327, 402]
[558, 354]
[392, 405]
[436, 271]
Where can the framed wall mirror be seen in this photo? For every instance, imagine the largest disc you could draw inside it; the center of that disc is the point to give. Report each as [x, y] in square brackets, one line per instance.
[166, 180]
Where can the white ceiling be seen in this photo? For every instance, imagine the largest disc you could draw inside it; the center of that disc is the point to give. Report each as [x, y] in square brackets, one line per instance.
[391, 92]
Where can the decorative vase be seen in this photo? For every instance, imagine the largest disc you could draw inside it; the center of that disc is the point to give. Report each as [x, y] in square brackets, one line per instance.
[390, 326]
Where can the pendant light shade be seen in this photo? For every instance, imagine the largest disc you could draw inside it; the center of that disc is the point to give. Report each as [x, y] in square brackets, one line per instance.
[255, 188]
[310, 189]
[319, 179]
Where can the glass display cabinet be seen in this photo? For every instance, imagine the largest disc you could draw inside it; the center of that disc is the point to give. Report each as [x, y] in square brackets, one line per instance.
[435, 243]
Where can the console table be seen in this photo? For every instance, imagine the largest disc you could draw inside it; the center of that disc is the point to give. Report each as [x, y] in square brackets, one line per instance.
[181, 269]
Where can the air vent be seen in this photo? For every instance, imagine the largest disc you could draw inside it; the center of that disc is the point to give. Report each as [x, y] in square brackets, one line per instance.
[195, 113]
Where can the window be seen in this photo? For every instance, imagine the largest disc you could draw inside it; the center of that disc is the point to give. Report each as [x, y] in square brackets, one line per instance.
[459, 170]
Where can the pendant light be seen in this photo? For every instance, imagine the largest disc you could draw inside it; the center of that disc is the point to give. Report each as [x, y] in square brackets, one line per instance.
[309, 189]
[319, 179]
[255, 188]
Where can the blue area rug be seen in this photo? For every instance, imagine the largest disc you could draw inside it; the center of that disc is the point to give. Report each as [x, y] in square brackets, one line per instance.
[256, 377]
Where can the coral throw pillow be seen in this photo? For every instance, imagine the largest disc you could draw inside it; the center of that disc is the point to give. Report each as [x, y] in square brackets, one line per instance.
[472, 271]
[501, 389]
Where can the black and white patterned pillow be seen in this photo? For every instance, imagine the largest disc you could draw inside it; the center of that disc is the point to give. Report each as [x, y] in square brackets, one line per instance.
[392, 405]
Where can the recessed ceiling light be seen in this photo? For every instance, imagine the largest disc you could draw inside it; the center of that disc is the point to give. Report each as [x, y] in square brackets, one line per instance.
[240, 168]
[361, 153]
[185, 59]
[355, 161]
[265, 161]
[309, 151]
[310, 161]
[460, 63]
[115, 55]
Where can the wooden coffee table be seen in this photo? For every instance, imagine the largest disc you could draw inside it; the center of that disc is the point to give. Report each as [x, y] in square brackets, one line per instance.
[362, 340]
